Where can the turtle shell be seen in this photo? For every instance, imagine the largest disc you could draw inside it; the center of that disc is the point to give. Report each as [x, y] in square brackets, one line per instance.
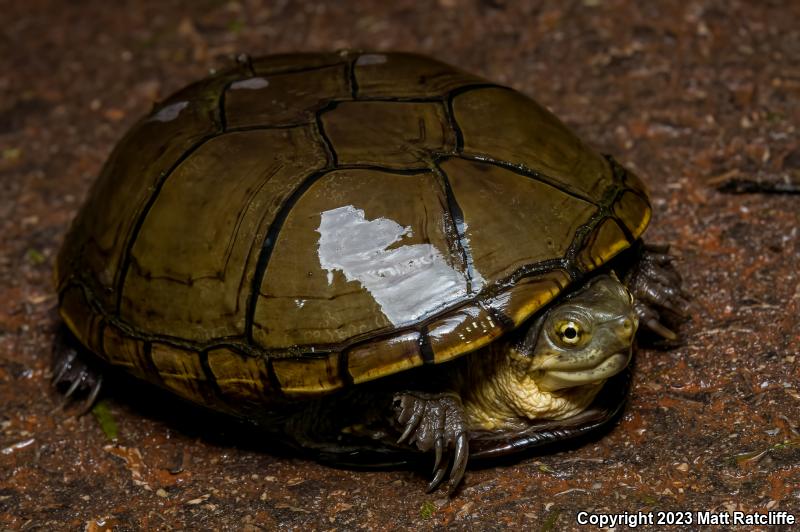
[304, 222]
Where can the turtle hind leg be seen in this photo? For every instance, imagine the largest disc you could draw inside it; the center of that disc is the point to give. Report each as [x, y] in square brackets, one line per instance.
[74, 374]
[436, 422]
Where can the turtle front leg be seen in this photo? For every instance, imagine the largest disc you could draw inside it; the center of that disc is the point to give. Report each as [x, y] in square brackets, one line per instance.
[436, 421]
[72, 374]
[657, 289]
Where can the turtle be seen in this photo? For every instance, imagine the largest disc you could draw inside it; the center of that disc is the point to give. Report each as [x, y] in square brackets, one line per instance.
[373, 256]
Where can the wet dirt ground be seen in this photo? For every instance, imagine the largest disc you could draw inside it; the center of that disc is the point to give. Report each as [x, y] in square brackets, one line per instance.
[691, 95]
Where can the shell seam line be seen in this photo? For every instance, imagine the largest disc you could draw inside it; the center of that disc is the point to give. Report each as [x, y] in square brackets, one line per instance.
[525, 172]
[292, 125]
[273, 380]
[457, 217]
[540, 267]
[223, 120]
[285, 70]
[351, 76]
[124, 266]
[344, 371]
[619, 175]
[210, 377]
[268, 245]
[586, 230]
[330, 151]
[425, 348]
[451, 118]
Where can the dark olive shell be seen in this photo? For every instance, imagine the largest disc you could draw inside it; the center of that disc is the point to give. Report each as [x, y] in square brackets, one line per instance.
[308, 221]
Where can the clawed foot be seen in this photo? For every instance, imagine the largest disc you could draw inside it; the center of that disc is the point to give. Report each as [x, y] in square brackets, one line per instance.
[74, 377]
[436, 422]
[657, 289]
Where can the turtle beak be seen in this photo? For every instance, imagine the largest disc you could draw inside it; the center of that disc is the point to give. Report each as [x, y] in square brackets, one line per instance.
[550, 381]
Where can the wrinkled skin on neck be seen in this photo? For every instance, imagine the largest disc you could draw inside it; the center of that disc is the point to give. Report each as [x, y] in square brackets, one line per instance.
[555, 370]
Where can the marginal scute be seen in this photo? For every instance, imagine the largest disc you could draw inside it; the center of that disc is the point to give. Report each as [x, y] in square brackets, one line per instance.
[239, 377]
[182, 372]
[633, 211]
[84, 324]
[127, 352]
[462, 331]
[605, 241]
[385, 357]
[632, 181]
[196, 252]
[389, 134]
[527, 295]
[310, 375]
[284, 99]
[404, 75]
[505, 125]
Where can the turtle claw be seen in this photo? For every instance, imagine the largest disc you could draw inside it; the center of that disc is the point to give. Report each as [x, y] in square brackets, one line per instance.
[62, 365]
[656, 326]
[417, 409]
[460, 463]
[436, 422]
[439, 449]
[92, 397]
[438, 476]
[656, 287]
[74, 386]
[75, 377]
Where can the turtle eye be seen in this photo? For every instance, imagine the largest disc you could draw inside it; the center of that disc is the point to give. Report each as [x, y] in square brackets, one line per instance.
[569, 332]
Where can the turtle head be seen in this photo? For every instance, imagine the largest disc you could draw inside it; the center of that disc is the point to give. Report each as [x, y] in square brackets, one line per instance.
[585, 339]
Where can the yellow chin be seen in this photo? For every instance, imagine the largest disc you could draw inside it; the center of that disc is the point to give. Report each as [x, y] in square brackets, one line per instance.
[523, 400]
[549, 381]
[560, 404]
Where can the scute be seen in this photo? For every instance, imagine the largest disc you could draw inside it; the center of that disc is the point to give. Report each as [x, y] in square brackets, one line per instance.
[302, 222]
[95, 248]
[528, 136]
[240, 378]
[284, 99]
[196, 250]
[397, 76]
[315, 296]
[397, 135]
[538, 223]
[182, 372]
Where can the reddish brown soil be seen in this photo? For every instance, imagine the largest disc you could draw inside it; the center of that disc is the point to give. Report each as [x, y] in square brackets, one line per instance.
[689, 94]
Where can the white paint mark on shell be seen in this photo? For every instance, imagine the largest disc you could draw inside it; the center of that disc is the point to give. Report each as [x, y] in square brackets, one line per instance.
[370, 59]
[169, 113]
[407, 281]
[250, 83]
